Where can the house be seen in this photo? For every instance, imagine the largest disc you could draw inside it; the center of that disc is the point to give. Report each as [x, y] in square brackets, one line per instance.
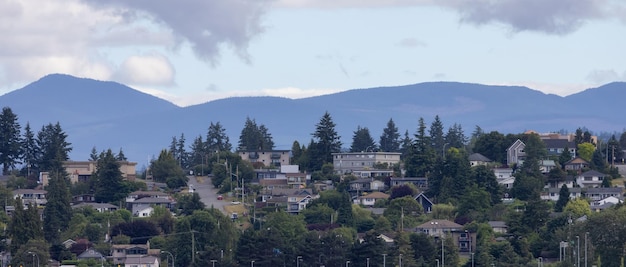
[273, 183]
[365, 164]
[605, 203]
[499, 227]
[269, 158]
[100, 207]
[576, 164]
[427, 205]
[361, 185]
[370, 199]
[141, 203]
[603, 193]
[90, 253]
[131, 253]
[419, 182]
[590, 178]
[441, 228]
[515, 154]
[545, 166]
[557, 145]
[81, 171]
[553, 193]
[477, 159]
[288, 176]
[298, 201]
[141, 261]
[31, 196]
[438, 228]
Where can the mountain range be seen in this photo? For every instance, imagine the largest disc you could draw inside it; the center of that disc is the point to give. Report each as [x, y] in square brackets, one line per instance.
[105, 114]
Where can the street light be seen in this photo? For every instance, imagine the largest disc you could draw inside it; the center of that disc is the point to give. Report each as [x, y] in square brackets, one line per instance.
[577, 251]
[347, 263]
[34, 255]
[298, 259]
[540, 262]
[251, 263]
[384, 260]
[213, 262]
[170, 254]
[400, 260]
[437, 260]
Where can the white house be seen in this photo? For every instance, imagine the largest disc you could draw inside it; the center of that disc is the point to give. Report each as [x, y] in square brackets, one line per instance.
[370, 199]
[590, 178]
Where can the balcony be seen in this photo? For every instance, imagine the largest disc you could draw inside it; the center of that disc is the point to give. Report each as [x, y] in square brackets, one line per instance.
[253, 155]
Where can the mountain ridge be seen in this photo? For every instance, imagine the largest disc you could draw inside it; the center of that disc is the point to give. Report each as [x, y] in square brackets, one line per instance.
[112, 115]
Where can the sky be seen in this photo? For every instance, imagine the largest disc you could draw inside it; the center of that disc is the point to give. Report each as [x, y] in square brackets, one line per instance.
[194, 51]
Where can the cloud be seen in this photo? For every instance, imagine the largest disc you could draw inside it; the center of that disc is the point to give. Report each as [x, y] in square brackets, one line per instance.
[146, 70]
[411, 43]
[605, 76]
[205, 25]
[552, 17]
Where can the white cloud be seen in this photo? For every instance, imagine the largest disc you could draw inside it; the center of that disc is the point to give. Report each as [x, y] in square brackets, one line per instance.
[146, 70]
[605, 76]
[550, 88]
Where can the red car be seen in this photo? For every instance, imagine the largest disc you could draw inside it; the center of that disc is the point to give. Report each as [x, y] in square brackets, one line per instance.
[220, 197]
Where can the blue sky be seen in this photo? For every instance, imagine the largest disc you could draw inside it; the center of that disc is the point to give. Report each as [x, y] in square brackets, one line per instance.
[194, 51]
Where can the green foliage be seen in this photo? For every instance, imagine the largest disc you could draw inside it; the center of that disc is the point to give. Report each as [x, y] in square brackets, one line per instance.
[577, 208]
[255, 137]
[139, 231]
[563, 198]
[25, 225]
[166, 169]
[325, 141]
[318, 214]
[362, 141]
[404, 212]
[420, 155]
[492, 145]
[188, 203]
[390, 138]
[58, 212]
[585, 151]
[53, 149]
[444, 212]
[108, 179]
[10, 140]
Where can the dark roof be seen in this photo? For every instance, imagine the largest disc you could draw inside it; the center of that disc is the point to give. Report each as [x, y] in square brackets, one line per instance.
[478, 157]
[558, 143]
[593, 173]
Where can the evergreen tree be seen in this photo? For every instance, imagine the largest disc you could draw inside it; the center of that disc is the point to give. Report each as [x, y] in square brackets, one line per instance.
[25, 225]
[368, 251]
[94, 155]
[436, 135]
[345, 216]
[485, 179]
[10, 140]
[455, 136]
[53, 148]
[478, 132]
[420, 158]
[217, 139]
[325, 141]
[492, 145]
[565, 156]
[362, 141]
[108, 178]
[563, 198]
[405, 144]
[255, 137]
[120, 156]
[424, 248]
[58, 212]
[29, 150]
[166, 169]
[181, 154]
[390, 139]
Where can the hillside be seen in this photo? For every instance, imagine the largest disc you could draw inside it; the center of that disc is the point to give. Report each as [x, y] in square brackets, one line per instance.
[111, 115]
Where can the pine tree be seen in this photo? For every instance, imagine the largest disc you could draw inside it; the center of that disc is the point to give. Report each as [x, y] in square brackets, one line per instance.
[217, 139]
[436, 135]
[455, 136]
[390, 139]
[10, 140]
[58, 213]
[93, 156]
[109, 180]
[325, 141]
[25, 225]
[563, 198]
[420, 158]
[53, 148]
[120, 156]
[29, 150]
[362, 141]
[405, 144]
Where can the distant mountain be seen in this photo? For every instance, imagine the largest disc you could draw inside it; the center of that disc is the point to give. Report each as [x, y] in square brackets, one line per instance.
[111, 115]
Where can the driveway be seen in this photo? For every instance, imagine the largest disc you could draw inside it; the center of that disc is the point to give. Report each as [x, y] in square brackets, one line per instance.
[208, 194]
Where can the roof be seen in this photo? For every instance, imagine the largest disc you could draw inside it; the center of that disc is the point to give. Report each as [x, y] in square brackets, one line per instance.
[148, 193]
[478, 157]
[152, 200]
[139, 259]
[558, 143]
[94, 205]
[29, 191]
[90, 254]
[408, 178]
[266, 182]
[497, 224]
[375, 195]
[593, 173]
[577, 160]
[439, 224]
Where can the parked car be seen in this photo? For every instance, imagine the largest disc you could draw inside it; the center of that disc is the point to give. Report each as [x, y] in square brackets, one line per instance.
[220, 197]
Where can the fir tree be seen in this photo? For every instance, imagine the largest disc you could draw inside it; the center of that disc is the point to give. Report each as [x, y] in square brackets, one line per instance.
[390, 139]
[10, 140]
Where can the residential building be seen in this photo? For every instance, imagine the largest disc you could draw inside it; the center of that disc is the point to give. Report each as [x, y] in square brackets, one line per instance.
[269, 158]
[465, 240]
[82, 171]
[134, 255]
[365, 185]
[363, 164]
[590, 178]
[600, 193]
[477, 159]
[141, 203]
[499, 227]
[556, 146]
[31, 196]
[287, 176]
[577, 164]
[515, 154]
[420, 182]
[426, 204]
[370, 199]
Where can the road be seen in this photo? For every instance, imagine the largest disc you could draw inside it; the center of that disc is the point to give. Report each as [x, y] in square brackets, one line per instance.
[208, 194]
